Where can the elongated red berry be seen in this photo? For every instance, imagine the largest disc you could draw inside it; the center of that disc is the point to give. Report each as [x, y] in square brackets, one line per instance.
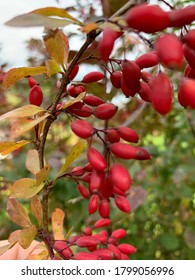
[96, 159]
[181, 17]
[106, 189]
[145, 92]
[86, 256]
[105, 111]
[127, 151]
[87, 241]
[31, 82]
[104, 254]
[102, 223]
[147, 60]
[122, 203]
[128, 134]
[127, 248]
[189, 55]
[147, 18]
[83, 191]
[169, 49]
[106, 43]
[162, 94]
[186, 93]
[104, 208]
[74, 71]
[189, 38]
[119, 233]
[120, 176]
[113, 135]
[127, 90]
[189, 72]
[82, 128]
[114, 249]
[36, 95]
[94, 76]
[75, 90]
[93, 204]
[84, 112]
[115, 78]
[62, 249]
[93, 100]
[97, 178]
[87, 231]
[131, 73]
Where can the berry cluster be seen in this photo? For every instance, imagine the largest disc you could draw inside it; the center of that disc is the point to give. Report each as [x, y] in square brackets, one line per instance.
[100, 245]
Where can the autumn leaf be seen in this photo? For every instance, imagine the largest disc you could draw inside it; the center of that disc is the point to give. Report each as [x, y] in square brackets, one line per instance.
[75, 152]
[25, 188]
[42, 175]
[89, 27]
[56, 44]
[39, 252]
[6, 247]
[32, 161]
[22, 125]
[22, 112]
[57, 224]
[73, 101]
[16, 74]
[8, 147]
[26, 236]
[52, 67]
[17, 213]
[36, 208]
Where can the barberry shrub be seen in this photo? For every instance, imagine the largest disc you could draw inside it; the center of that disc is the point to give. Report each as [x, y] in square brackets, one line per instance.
[96, 166]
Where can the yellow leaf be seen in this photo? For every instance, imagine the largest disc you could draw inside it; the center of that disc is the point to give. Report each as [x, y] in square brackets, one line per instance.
[23, 125]
[8, 147]
[36, 208]
[16, 74]
[75, 152]
[25, 188]
[26, 236]
[52, 67]
[32, 161]
[57, 224]
[22, 112]
[42, 175]
[53, 11]
[89, 27]
[72, 101]
[17, 213]
[56, 44]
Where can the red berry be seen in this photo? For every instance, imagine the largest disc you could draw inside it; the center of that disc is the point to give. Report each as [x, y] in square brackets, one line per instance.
[115, 78]
[102, 223]
[93, 100]
[147, 60]
[131, 74]
[36, 95]
[119, 233]
[93, 204]
[97, 178]
[114, 249]
[84, 112]
[96, 159]
[75, 90]
[122, 203]
[127, 151]
[112, 135]
[83, 191]
[189, 72]
[105, 111]
[189, 55]
[189, 38]
[127, 249]
[104, 254]
[120, 177]
[93, 77]
[128, 134]
[169, 49]
[147, 18]
[186, 93]
[62, 249]
[182, 16]
[106, 189]
[145, 92]
[106, 43]
[127, 90]
[86, 256]
[82, 128]
[87, 241]
[31, 82]
[74, 72]
[87, 231]
[104, 208]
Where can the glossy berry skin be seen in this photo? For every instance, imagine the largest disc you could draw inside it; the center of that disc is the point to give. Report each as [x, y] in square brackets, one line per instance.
[127, 248]
[85, 256]
[131, 74]
[92, 77]
[74, 72]
[105, 111]
[102, 223]
[31, 82]
[96, 159]
[82, 128]
[36, 95]
[147, 18]
[189, 72]
[169, 50]
[87, 241]
[145, 92]
[128, 134]
[96, 180]
[104, 208]
[106, 43]
[115, 78]
[119, 233]
[162, 94]
[112, 135]
[120, 177]
[93, 100]
[189, 38]
[122, 203]
[186, 93]
[147, 60]
[189, 55]
[182, 16]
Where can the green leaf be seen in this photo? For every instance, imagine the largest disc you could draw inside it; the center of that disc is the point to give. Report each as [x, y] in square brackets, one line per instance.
[36, 208]
[22, 112]
[16, 74]
[169, 241]
[56, 44]
[8, 147]
[25, 188]
[75, 152]
[17, 213]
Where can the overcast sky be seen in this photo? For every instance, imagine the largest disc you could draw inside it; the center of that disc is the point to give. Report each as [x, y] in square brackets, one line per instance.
[12, 40]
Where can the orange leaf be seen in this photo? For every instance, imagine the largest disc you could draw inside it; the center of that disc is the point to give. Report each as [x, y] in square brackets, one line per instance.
[56, 44]
[17, 213]
[42, 175]
[36, 208]
[16, 74]
[8, 147]
[32, 161]
[88, 27]
[25, 188]
[57, 224]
